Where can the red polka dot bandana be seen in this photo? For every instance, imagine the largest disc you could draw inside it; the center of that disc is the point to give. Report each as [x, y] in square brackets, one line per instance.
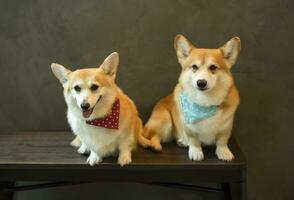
[111, 120]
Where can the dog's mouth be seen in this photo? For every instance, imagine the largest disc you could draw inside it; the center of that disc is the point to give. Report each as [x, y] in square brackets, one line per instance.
[87, 113]
[202, 89]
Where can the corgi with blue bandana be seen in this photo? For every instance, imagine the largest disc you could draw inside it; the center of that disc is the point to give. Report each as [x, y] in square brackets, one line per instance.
[201, 109]
[103, 118]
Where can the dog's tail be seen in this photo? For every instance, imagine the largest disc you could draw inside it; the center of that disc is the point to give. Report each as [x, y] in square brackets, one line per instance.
[142, 141]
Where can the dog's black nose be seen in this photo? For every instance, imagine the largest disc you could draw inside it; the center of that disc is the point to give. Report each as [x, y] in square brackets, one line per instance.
[85, 106]
[201, 83]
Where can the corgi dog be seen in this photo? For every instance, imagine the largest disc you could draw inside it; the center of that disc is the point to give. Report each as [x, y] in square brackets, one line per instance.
[201, 109]
[103, 118]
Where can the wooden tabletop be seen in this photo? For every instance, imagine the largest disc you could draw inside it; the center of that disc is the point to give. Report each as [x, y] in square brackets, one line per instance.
[48, 156]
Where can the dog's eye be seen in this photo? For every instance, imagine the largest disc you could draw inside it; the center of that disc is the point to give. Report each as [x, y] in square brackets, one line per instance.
[212, 67]
[77, 88]
[194, 67]
[94, 87]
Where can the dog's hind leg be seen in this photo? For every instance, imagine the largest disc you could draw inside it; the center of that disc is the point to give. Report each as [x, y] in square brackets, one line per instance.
[76, 142]
[158, 128]
[155, 143]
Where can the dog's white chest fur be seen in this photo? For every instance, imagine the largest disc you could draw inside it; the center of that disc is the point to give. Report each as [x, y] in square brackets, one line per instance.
[208, 128]
[101, 140]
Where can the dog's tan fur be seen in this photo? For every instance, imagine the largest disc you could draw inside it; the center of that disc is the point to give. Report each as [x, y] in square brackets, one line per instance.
[100, 141]
[166, 121]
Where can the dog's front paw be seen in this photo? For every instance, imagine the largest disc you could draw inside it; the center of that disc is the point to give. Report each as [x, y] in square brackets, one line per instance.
[224, 153]
[195, 154]
[94, 160]
[124, 159]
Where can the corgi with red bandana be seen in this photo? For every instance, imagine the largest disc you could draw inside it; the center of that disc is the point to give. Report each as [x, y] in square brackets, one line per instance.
[103, 118]
[202, 106]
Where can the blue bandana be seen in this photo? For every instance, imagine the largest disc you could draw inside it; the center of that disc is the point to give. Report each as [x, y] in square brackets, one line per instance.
[193, 112]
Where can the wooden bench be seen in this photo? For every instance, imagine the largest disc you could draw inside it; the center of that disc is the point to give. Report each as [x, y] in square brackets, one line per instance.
[47, 156]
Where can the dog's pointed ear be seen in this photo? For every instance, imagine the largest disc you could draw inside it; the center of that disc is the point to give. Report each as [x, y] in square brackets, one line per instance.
[231, 50]
[60, 72]
[183, 47]
[110, 64]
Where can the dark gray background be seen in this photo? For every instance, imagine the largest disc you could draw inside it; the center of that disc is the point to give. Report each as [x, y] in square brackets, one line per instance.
[82, 33]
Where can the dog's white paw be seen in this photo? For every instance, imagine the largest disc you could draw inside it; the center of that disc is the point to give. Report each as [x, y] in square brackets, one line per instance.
[94, 160]
[195, 153]
[124, 159]
[83, 149]
[224, 153]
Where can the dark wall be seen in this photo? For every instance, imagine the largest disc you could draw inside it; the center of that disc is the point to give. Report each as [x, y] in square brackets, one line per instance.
[82, 33]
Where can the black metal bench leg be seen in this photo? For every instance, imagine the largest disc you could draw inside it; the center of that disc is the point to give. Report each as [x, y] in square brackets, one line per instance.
[234, 191]
[227, 191]
[3, 194]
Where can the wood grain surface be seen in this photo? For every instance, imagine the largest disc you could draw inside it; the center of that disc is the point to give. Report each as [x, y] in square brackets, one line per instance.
[48, 156]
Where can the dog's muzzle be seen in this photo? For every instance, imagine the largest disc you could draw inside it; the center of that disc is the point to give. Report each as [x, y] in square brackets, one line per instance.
[87, 111]
[202, 84]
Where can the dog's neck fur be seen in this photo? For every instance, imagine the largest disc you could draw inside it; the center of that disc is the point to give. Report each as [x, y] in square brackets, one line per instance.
[214, 97]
